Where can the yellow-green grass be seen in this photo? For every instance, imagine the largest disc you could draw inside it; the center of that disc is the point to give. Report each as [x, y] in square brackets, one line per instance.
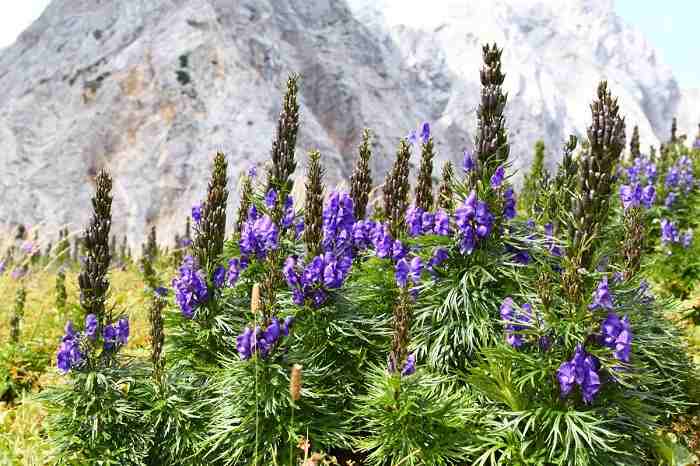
[21, 434]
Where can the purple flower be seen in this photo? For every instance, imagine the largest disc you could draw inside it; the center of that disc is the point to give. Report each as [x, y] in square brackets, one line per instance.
[425, 132]
[670, 199]
[509, 211]
[234, 271]
[648, 196]
[398, 250]
[122, 331]
[441, 223]
[401, 271]
[601, 296]
[582, 370]
[219, 277]
[415, 269]
[243, 343]
[409, 367]
[27, 247]
[271, 198]
[197, 213]
[253, 171]
[382, 241]
[516, 321]
[3, 266]
[90, 326]
[616, 333]
[498, 176]
[69, 355]
[440, 255]
[687, 238]
[338, 222]
[669, 232]
[259, 237]
[467, 161]
[190, 287]
[414, 220]
[428, 223]
[109, 334]
[412, 137]
[630, 195]
[161, 291]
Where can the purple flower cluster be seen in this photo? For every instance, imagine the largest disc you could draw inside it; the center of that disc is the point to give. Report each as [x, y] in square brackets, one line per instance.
[271, 198]
[313, 280]
[259, 235]
[424, 134]
[197, 213]
[509, 211]
[252, 341]
[498, 176]
[642, 167]
[69, 354]
[115, 335]
[616, 333]
[439, 256]
[338, 223]
[235, 266]
[581, 370]
[633, 195]
[680, 175]
[190, 287]
[468, 162]
[516, 320]
[670, 234]
[474, 221]
[602, 298]
[405, 271]
[419, 222]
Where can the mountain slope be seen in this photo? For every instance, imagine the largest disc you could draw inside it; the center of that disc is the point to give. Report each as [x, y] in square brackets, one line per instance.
[150, 89]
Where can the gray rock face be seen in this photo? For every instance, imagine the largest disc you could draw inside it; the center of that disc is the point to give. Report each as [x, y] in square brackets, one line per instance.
[151, 89]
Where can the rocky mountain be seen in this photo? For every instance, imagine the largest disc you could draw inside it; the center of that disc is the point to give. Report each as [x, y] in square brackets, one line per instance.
[151, 89]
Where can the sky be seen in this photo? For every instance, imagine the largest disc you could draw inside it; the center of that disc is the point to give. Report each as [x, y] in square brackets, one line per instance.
[671, 26]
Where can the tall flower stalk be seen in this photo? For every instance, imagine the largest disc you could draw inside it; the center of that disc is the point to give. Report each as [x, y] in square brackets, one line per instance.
[361, 179]
[284, 145]
[396, 189]
[634, 143]
[313, 207]
[246, 202]
[606, 137]
[445, 195]
[211, 229]
[93, 280]
[424, 187]
[491, 141]
[633, 241]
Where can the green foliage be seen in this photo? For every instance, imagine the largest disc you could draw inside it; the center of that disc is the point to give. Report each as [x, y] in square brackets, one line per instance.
[252, 418]
[414, 420]
[96, 419]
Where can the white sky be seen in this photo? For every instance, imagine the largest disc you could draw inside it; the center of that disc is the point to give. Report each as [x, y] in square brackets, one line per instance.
[16, 16]
[670, 25]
